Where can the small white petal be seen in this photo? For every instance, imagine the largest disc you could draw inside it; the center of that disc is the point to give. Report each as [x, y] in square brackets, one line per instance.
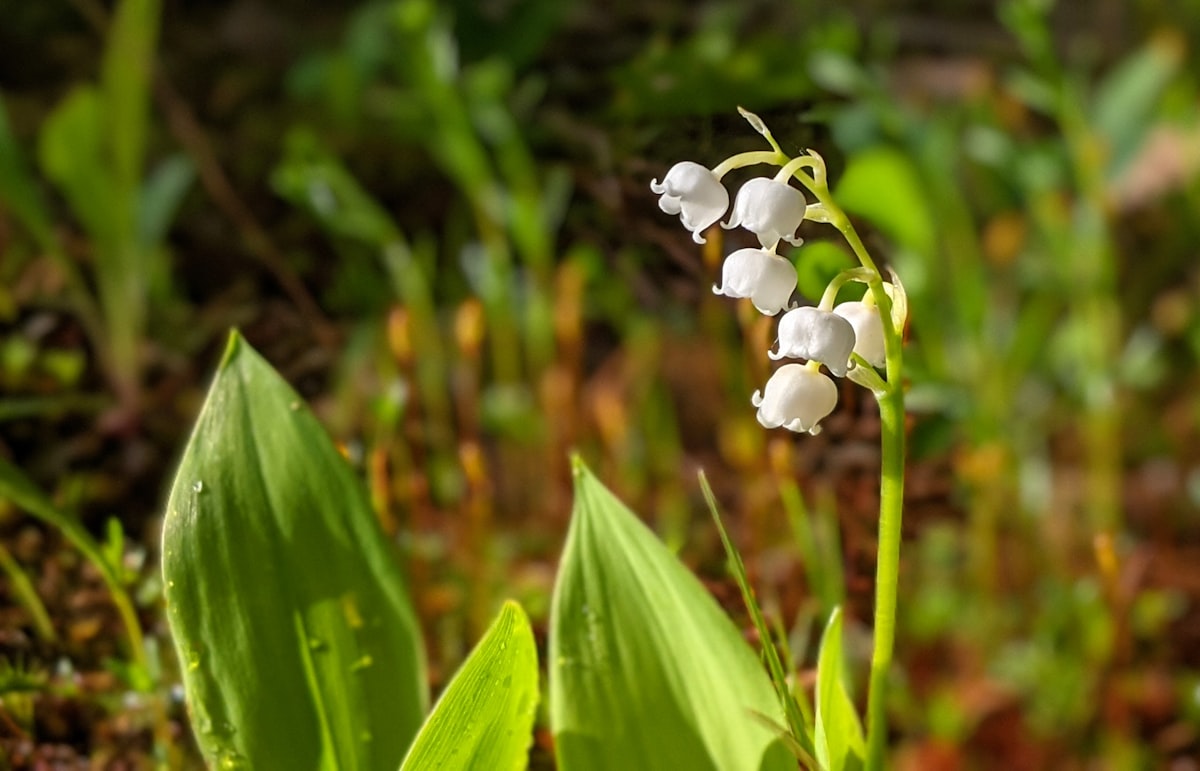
[868, 330]
[669, 204]
[768, 280]
[796, 398]
[817, 335]
[691, 191]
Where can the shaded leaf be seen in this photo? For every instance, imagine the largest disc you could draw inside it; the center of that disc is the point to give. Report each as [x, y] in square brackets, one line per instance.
[299, 645]
[17, 188]
[485, 717]
[646, 671]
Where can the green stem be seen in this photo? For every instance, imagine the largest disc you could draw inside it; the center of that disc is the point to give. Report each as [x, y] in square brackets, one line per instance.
[887, 571]
[891, 490]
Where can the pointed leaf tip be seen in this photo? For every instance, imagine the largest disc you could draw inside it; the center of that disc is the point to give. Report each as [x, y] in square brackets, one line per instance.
[579, 469]
[485, 717]
[232, 345]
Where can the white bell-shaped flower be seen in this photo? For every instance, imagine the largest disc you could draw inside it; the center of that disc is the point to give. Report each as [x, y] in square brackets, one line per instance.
[796, 398]
[816, 335]
[766, 278]
[695, 194]
[771, 210]
[868, 330]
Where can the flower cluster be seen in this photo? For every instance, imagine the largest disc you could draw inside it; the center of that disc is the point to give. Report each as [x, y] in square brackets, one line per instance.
[845, 338]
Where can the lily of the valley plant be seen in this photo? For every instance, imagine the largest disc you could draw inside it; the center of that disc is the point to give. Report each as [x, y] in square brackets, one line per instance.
[860, 340]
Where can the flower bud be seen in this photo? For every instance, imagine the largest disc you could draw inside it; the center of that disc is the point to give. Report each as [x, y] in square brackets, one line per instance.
[868, 330]
[796, 398]
[691, 191]
[769, 209]
[816, 335]
[766, 278]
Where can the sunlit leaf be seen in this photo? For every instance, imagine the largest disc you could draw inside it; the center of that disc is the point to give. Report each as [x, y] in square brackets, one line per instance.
[298, 644]
[646, 670]
[840, 745]
[484, 720]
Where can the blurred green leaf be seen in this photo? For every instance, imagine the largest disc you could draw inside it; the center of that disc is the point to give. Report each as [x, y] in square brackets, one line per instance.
[71, 153]
[299, 643]
[1125, 100]
[126, 75]
[17, 189]
[161, 195]
[24, 594]
[114, 548]
[817, 262]
[484, 720]
[514, 32]
[840, 745]
[883, 186]
[713, 71]
[646, 671]
[313, 179]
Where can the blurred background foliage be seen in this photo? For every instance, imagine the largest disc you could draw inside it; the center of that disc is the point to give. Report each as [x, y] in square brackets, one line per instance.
[435, 219]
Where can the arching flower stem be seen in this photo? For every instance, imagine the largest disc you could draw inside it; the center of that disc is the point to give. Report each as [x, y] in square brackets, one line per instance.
[810, 161]
[861, 275]
[752, 158]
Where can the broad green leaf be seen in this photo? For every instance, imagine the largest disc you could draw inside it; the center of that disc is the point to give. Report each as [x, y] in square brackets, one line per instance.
[298, 643]
[646, 670]
[883, 186]
[840, 745]
[484, 720]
